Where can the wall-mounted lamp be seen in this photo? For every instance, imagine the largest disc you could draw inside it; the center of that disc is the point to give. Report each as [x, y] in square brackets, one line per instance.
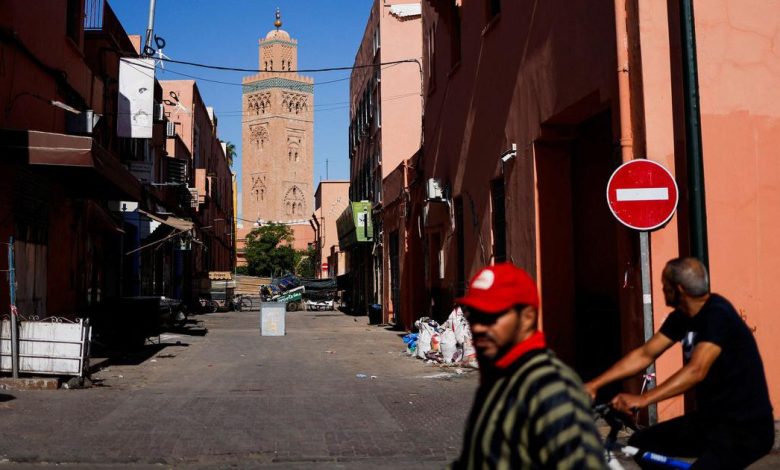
[507, 156]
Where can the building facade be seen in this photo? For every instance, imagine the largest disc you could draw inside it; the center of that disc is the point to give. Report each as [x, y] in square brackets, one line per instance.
[385, 130]
[83, 201]
[194, 126]
[330, 200]
[529, 109]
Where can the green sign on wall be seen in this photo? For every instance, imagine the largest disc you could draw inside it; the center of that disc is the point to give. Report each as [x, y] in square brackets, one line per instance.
[354, 225]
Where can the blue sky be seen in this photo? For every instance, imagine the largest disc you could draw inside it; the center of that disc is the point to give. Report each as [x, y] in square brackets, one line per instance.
[225, 32]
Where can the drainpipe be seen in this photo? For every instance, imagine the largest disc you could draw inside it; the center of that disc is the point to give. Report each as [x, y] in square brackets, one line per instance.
[627, 154]
[693, 144]
[624, 85]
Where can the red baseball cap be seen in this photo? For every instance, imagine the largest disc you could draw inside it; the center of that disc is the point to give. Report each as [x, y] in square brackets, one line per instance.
[497, 288]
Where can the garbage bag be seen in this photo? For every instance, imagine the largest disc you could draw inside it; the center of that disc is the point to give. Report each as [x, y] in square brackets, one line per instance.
[449, 347]
[411, 343]
[424, 340]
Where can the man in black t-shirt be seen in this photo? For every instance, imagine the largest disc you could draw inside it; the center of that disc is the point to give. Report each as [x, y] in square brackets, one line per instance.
[732, 425]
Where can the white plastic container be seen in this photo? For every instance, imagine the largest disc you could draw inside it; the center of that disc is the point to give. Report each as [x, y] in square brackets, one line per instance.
[272, 318]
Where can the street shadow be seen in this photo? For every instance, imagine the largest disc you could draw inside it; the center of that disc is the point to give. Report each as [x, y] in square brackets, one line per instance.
[189, 327]
[5, 397]
[135, 356]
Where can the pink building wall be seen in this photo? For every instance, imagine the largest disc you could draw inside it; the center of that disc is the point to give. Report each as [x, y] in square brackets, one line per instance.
[740, 130]
[208, 169]
[330, 200]
[401, 99]
[540, 77]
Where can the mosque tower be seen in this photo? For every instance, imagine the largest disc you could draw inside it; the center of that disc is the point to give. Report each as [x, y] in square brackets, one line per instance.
[277, 132]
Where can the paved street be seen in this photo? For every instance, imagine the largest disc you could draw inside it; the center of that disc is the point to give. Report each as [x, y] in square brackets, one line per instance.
[235, 399]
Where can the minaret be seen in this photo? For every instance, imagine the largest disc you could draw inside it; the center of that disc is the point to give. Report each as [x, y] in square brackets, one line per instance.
[278, 134]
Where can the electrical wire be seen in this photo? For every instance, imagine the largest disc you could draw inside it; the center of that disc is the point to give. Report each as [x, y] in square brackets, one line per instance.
[326, 69]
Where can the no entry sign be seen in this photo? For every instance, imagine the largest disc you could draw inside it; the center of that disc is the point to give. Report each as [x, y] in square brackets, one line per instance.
[642, 194]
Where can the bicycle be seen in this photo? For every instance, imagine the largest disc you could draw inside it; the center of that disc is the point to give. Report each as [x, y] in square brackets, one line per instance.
[207, 305]
[241, 303]
[617, 422]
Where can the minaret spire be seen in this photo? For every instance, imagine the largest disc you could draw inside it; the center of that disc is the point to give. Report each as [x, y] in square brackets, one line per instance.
[278, 22]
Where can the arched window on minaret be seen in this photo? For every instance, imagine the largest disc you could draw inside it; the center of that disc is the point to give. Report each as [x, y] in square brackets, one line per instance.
[272, 64]
[265, 65]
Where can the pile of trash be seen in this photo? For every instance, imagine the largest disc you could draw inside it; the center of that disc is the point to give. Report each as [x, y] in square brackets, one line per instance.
[449, 343]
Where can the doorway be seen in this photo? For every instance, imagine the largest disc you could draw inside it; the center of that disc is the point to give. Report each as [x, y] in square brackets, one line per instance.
[579, 246]
[395, 276]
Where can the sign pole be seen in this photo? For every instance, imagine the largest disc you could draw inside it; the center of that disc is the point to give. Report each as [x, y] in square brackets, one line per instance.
[647, 310]
[14, 326]
[643, 195]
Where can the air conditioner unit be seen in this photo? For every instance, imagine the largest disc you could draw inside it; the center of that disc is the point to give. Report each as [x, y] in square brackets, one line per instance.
[194, 199]
[159, 112]
[433, 189]
[82, 123]
[170, 129]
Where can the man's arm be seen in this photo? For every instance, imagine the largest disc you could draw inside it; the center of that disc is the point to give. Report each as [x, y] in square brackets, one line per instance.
[631, 364]
[704, 355]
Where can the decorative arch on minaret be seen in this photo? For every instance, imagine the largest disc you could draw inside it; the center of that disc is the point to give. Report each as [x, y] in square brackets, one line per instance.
[258, 187]
[259, 103]
[294, 145]
[294, 201]
[258, 135]
[295, 103]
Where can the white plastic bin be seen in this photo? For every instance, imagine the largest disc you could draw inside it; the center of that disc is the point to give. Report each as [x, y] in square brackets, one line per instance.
[272, 318]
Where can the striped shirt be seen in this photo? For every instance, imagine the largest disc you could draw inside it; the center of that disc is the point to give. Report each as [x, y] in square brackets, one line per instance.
[532, 414]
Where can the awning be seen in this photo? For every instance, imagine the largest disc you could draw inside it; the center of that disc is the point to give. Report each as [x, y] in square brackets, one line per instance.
[178, 224]
[78, 159]
[406, 10]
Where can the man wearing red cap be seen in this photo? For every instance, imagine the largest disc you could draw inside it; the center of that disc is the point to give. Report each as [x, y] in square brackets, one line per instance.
[530, 410]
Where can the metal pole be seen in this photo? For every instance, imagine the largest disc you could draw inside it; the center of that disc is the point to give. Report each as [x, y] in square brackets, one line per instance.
[693, 144]
[326, 170]
[149, 28]
[14, 326]
[647, 310]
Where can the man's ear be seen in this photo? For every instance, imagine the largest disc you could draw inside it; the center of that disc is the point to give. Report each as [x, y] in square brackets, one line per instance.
[529, 317]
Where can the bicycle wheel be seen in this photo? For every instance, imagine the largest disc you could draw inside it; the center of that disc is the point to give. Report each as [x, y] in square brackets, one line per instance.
[245, 305]
[212, 306]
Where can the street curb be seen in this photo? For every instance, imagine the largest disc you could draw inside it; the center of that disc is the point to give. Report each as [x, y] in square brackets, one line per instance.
[29, 384]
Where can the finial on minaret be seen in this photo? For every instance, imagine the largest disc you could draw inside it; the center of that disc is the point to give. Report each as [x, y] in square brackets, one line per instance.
[278, 22]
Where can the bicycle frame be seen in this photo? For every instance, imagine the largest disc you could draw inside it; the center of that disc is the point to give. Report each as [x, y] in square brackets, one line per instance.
[616, 422]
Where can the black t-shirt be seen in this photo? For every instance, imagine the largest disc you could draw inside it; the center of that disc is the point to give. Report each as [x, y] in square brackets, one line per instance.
[735, 386]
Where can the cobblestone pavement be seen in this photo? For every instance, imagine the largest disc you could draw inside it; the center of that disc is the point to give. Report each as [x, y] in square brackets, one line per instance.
[234, 399]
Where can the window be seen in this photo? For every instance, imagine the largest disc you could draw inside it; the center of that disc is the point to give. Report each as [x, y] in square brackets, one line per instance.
[74, 20]
[430, 56]
[376, 40]
[196, 147]
[498, 209]
[461, 247]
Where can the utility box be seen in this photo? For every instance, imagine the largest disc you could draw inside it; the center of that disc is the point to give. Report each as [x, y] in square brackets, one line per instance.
[272, 318]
